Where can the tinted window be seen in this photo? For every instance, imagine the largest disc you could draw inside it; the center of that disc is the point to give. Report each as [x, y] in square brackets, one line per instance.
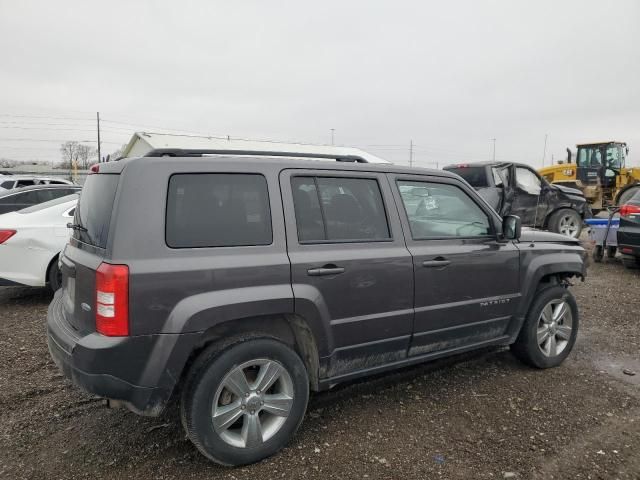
[307, 206]
[218, 210]
[47, 194]
[475, 176]
[8, 184]
[25, 183]
[26, 199]
[50, 203]
[339, 209]
[94, 209]
[441, 210]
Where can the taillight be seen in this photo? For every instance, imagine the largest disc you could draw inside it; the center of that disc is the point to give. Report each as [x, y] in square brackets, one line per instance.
[628, 209]
[6, 235]
[94, 168]
[112, 300]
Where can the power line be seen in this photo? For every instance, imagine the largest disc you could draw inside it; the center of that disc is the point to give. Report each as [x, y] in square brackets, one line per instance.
[43, 117]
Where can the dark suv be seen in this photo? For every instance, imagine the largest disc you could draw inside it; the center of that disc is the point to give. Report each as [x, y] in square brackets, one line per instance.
[517, 189]
[236, 284]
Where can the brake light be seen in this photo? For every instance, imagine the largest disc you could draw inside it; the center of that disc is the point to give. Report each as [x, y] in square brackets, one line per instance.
[463, 165]
[112, 300]
[628, 209]
[6, 235]
[94, 168]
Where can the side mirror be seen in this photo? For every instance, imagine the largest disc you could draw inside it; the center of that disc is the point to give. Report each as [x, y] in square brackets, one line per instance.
[511, 227]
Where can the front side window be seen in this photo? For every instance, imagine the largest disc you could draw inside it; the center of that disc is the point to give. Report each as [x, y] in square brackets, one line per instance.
[437, 210]
[335, 209]
[218, 210]
[528, 181]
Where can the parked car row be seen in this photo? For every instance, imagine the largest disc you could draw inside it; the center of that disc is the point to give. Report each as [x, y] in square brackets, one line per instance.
[33, 231]
[9, 182]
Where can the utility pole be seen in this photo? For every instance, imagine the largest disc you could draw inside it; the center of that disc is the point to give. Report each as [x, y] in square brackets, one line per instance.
[494, 149]
[332, 130]
[411, 153]
[99, 151]
[544, 152]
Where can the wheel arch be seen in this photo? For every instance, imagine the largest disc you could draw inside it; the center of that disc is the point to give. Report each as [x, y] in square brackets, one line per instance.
[290, 329]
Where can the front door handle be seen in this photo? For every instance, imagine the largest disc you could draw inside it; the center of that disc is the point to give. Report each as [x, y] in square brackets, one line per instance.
[330, 269]
[437, 262]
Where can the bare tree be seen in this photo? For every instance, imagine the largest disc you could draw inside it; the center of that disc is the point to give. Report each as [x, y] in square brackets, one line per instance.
[69, 151]
[85, 153]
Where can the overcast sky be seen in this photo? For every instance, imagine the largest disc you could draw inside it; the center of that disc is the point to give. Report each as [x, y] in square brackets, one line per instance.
[449, 75]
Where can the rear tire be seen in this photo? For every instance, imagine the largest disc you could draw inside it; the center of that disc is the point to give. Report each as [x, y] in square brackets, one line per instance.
[611, 252]
[54, 275]
[566, 222]
[549, 330]
[245, 403]
[631, 262]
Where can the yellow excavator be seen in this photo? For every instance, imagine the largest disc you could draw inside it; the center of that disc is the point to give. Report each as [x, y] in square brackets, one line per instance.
[599, 172]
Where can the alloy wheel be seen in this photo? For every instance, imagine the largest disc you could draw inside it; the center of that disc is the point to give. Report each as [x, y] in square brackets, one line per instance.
[252, 403]
[555, 325]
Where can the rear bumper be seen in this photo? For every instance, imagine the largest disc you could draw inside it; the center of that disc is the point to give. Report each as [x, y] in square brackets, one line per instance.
[629, 241]
[140, 371]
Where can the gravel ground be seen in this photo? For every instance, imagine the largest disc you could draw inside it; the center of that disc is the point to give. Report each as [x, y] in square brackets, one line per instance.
[481, 416]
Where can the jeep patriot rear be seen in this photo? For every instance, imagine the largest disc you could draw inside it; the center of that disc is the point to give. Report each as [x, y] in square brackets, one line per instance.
[236, 284]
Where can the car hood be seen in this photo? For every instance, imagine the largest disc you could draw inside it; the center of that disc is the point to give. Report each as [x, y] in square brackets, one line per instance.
[569, 190]
[532, 235]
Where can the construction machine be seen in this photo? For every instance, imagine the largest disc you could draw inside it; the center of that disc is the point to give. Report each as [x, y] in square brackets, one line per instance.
[599, 172]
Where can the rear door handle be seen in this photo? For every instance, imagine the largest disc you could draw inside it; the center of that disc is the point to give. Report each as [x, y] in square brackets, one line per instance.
[436, 262]
[326, 270]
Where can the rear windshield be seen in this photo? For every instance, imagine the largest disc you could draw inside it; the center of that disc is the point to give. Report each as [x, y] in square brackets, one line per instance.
[94, 209]
[50, 203]
[475, 176]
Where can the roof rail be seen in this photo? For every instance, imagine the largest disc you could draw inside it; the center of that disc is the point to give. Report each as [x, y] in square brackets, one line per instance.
[184, 152]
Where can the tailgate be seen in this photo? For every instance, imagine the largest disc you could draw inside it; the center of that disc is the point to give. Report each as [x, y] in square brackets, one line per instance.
[86, 250]
[78, 267]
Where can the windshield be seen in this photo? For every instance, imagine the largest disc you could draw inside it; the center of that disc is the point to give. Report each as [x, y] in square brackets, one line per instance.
[94, 209]
[598, 156]
[475, 176]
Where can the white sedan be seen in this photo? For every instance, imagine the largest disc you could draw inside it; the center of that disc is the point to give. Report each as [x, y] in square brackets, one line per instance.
[31, 240]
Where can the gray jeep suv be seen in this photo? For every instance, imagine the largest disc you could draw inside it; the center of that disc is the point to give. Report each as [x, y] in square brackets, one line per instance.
[237, 283]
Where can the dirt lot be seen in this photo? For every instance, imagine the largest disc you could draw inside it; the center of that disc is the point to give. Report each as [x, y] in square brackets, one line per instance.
[482, 416]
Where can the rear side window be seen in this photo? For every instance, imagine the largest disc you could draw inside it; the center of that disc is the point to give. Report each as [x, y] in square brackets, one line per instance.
[94, 209]
[339, 210]
[475, 176]
[8, 184]
[218, 210]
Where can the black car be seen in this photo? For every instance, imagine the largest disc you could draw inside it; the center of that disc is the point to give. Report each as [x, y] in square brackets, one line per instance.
[236, 284]
[629, 232]
[17, 199]
[517, 189]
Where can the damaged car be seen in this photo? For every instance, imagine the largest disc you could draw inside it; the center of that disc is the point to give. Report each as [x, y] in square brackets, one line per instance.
[517, 189]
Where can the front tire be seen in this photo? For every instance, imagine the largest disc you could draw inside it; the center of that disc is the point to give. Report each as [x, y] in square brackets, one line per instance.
[550, 329]
[246, 402]
[566, 222]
